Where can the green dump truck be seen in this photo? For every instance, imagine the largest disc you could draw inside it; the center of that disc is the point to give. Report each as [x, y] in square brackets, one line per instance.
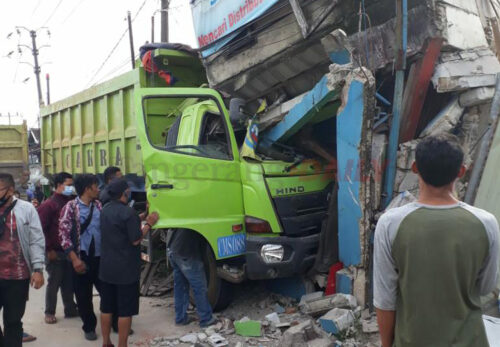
[14, 152]
[179, 148]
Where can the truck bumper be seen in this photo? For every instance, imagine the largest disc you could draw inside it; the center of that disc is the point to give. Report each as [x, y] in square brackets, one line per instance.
[299, 257]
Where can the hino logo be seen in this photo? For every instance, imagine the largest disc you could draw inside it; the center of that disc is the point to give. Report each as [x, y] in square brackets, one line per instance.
[290, 190]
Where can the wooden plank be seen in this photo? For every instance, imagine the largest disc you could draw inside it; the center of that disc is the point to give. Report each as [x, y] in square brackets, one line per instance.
[412, 109]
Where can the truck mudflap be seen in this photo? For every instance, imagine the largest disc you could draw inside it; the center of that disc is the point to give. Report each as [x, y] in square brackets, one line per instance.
[299, 256]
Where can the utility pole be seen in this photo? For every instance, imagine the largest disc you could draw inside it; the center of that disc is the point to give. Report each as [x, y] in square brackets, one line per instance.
[47, 77]
[131, 38]
[164, 20]
[36, 67]
[34, 51]
[152, 29]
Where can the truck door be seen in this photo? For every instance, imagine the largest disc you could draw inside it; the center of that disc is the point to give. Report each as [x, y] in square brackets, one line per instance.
[191, 165]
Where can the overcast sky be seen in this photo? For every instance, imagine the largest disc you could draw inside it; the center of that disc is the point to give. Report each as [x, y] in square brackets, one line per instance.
[82, 34]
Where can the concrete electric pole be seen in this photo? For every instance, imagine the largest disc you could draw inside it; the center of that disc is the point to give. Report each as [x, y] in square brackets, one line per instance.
[164, 20]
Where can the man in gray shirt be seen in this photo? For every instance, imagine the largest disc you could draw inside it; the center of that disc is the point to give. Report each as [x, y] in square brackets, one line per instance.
[434, 258]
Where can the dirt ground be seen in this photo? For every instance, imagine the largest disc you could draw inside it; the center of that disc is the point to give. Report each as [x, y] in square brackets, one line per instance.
[155, 319]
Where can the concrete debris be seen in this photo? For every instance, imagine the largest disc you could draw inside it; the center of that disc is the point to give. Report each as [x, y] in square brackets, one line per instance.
[310, 297]
[216, 340]
[401, 199]
[370, 326]
[299, 334]
[322, 342]
[476, 68]
[448, 118]
[320, 306]
[273, 318]
[344, 281]
[476, 96]
[278, 308]
[337, 320]
[189, 338]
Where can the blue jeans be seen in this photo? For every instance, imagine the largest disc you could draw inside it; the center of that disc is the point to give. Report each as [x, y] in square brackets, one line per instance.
[190, 272]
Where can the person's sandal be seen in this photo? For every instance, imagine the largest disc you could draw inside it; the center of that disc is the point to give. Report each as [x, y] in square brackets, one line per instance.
[28, 338]
[50, 319]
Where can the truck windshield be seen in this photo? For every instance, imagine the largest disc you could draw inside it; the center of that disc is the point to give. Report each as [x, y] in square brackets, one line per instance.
[188, 125]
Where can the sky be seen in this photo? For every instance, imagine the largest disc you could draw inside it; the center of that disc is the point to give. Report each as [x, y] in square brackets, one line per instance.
[82, 35]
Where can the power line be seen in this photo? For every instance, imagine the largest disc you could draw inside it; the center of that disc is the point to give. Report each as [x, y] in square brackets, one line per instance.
[53, 12]
[72, 11]
[36, 8]
[116, 45]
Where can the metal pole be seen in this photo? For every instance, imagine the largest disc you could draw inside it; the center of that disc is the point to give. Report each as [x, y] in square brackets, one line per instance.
[131, 38]
[164, 20]
[397, 106]
[477, 170]
[47, 77]
[152, 29]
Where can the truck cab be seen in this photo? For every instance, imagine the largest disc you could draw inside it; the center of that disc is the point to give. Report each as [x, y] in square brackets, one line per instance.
[262, 217]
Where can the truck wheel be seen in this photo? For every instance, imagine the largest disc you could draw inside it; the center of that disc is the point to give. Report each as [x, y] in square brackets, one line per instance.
[219, 292]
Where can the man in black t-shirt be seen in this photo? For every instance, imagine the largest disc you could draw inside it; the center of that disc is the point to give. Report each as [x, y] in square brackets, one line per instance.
[121, 235]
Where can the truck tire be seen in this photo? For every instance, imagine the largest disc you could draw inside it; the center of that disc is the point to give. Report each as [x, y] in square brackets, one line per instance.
[219, 292]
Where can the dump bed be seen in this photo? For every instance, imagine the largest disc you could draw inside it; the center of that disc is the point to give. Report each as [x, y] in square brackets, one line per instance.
[96, 128]
[14, 152]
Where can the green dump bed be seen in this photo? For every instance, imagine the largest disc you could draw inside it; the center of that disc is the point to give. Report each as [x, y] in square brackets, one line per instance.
[96, 128]
[14, 152]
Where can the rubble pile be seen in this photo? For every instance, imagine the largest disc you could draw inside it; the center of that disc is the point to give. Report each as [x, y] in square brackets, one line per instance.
[316, 321]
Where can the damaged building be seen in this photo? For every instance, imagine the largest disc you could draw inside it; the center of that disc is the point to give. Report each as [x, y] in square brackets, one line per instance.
[326, 72]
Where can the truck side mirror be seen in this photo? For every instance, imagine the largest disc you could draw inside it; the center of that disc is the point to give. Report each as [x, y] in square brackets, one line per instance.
[237, 114]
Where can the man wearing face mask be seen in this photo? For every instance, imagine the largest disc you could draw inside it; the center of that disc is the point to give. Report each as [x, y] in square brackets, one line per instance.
[59, 268]
[22, 254]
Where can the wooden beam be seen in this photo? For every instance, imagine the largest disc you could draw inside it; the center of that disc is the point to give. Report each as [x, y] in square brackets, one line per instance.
[417, 87]
[299, 15]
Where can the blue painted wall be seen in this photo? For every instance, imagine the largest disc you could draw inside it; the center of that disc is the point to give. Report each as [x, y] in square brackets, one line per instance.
[349, 127]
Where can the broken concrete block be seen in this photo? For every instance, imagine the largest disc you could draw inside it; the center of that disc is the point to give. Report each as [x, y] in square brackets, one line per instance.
[476, 96]
[189, 338]
[278, 308]
[202, 337]
[296, 336]
[216, 340]
[337, 320]
[321, 342]
[320, 306]
[344, 281]
[311, 297]
[370, 326]
[406, 154]
[446, 120]
[273, 318]
[248, 328]
[464, 74]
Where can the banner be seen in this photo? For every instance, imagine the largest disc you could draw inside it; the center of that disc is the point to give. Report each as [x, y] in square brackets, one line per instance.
[220, 19]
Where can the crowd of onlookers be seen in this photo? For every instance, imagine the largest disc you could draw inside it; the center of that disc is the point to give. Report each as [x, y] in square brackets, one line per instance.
[84, 238]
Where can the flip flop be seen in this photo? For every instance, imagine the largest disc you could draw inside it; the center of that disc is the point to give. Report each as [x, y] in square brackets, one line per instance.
[50, 319]
[28, 338]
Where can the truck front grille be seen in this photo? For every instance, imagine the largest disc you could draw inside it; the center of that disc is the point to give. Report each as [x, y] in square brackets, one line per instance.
[303, 214]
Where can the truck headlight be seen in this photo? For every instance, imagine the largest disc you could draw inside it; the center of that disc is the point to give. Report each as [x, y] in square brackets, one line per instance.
[272, 253]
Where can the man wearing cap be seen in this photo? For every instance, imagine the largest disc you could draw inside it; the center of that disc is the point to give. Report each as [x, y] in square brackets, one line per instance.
[119, 273]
